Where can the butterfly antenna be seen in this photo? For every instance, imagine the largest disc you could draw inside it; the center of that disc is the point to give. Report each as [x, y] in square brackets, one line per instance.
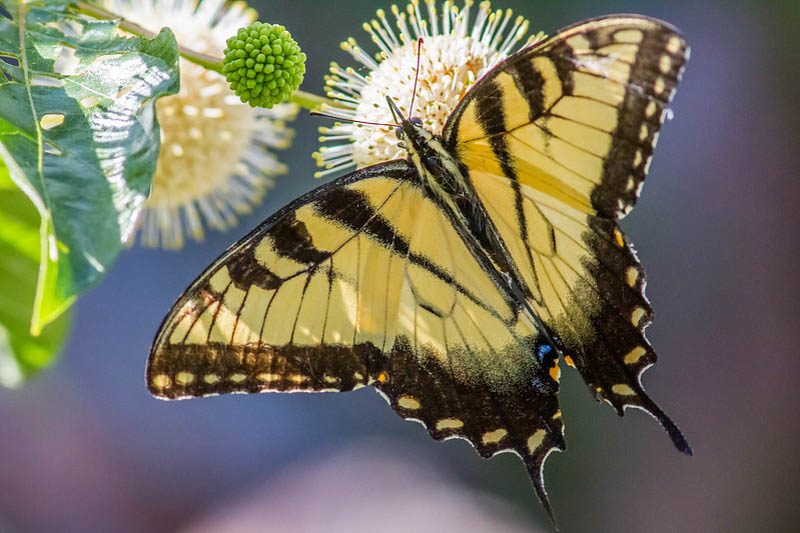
[394, 109]
[416, 78]
[345, 119]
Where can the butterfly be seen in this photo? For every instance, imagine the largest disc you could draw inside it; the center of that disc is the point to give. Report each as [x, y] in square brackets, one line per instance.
[453, 281]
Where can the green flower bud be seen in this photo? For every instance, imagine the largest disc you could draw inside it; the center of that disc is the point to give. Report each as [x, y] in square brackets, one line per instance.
[263, 64]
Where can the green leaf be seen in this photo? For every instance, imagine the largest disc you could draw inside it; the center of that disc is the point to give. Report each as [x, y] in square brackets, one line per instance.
[79, 136]
[21, 354]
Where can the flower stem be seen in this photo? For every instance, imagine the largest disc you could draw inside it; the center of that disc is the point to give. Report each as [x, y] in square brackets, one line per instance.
[303, 99]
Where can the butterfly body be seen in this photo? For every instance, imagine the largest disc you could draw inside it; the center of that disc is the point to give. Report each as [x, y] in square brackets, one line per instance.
[455, 280]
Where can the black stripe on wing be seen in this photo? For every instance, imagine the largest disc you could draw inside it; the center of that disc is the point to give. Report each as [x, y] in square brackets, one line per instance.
[648, 88]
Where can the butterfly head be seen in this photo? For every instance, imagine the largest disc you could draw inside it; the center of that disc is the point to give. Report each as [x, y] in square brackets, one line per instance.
[410, 132]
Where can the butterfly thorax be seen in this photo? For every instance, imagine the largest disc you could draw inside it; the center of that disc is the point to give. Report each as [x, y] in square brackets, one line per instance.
[439, 170]
[448, 183]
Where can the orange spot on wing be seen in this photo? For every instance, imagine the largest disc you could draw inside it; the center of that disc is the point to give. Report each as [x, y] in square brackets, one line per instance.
[618, 235]
[569, 361]
[555, 371]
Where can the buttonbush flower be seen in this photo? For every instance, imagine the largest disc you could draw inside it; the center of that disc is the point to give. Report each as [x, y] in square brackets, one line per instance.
[263, 64]
[455, 54]
[215, 160]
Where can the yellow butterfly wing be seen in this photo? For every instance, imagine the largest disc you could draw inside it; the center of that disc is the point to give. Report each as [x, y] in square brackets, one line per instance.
[557, 141]
[366, 281]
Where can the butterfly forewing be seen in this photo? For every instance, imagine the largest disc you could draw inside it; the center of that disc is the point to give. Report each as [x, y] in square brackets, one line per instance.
[304, 303]
[564, 132]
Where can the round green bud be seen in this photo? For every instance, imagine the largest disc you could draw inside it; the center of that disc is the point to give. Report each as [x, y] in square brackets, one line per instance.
[263, 64]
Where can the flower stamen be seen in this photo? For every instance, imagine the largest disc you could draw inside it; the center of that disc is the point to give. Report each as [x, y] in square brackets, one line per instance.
[431, 82]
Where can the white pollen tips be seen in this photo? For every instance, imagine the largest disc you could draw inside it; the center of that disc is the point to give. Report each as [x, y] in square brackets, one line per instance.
[408, 402]
[535, 440]
[493, 437]
[449, 423]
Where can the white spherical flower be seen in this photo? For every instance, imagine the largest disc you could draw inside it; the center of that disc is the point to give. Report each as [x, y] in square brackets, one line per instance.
[455, 53]
[215, 161]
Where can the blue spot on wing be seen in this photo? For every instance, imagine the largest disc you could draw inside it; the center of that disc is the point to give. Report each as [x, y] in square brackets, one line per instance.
[544, 349]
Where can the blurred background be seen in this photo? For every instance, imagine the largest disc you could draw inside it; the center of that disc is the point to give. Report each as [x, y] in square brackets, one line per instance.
[84, 447]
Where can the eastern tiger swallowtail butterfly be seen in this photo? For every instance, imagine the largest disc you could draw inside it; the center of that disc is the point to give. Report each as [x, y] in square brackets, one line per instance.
[453, 281]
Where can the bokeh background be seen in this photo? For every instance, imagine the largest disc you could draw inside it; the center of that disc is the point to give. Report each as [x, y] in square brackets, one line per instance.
[85, 448]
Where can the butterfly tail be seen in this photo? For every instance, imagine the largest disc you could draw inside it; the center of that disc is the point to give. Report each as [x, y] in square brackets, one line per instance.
[536, 472]
[649, 406]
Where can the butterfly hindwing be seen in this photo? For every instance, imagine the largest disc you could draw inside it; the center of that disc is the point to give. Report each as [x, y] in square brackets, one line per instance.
[365, 281]
[557, 140]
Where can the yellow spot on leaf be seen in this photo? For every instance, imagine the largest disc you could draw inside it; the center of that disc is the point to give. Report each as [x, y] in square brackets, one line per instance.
[51, 120]
[89, 101]
[408, 402]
